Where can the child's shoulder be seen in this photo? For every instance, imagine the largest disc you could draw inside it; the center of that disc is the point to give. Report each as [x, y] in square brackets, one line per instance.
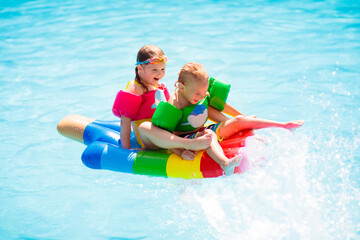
[134, 87]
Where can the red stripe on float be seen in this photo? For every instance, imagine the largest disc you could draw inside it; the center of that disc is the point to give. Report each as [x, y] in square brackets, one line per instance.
[231, 146]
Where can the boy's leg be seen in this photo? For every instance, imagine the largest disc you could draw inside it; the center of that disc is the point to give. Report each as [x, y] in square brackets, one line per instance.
[215, 151]
[238, 123]
[154, 137]
[217, 154]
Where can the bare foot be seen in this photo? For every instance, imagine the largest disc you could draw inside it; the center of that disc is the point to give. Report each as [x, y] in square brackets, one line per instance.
[294, 124]
[233, 162]
[200, 143]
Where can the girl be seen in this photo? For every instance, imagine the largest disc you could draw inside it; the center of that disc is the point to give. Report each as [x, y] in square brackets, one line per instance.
[140, 98]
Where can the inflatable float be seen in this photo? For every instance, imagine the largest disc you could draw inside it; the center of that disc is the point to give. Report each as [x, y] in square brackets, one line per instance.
[104, 151]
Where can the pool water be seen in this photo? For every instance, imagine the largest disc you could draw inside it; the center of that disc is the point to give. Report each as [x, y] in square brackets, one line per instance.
[284, 60]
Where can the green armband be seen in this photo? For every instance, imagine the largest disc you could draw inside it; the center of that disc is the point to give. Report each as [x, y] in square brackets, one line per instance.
[219, 92]
[166, 116]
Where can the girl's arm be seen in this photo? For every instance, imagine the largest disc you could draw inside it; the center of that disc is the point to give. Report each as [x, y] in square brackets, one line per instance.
[125, 132]
[126, 121]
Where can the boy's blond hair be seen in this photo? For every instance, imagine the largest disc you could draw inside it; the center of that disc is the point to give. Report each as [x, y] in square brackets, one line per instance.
[193, 72]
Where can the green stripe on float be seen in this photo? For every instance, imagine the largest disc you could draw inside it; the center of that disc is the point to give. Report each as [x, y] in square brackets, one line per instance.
[151, 163]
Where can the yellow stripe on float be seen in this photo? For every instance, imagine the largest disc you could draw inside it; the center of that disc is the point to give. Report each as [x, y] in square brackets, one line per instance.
[178, 167]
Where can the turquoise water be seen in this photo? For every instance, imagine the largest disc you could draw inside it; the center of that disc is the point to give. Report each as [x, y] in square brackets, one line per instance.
[285, 61]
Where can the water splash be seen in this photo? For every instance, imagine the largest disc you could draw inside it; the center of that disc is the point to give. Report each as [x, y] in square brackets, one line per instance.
[293, 196]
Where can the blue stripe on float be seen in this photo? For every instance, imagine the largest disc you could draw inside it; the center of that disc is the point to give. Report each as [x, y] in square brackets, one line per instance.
[100, 155]
[114, 125]
[91, 156]
[118, 159]
[103, 151]
[106, 131]
[94, 132]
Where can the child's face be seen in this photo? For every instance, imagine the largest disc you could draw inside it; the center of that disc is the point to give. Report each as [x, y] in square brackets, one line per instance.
[194, 91]
[151, 74]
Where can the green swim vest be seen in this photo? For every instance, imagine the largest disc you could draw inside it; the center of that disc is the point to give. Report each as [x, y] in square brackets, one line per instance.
[194, 116]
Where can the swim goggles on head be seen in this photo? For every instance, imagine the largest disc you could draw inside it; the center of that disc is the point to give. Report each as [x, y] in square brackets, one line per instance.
[154, 60]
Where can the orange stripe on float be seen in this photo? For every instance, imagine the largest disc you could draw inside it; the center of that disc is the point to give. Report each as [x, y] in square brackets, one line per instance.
[178, 167]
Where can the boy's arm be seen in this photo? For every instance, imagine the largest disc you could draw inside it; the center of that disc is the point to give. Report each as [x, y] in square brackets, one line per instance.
[228, 109]
[125, 132]
[216, 116]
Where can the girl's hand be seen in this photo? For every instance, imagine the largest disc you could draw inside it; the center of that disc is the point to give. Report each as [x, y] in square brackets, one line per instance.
[188, 155]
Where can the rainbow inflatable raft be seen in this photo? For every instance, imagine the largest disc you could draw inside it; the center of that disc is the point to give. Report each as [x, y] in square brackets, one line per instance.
[104, 151]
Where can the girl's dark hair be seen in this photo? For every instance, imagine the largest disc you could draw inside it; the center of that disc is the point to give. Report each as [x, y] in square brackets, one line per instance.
[146, 52]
